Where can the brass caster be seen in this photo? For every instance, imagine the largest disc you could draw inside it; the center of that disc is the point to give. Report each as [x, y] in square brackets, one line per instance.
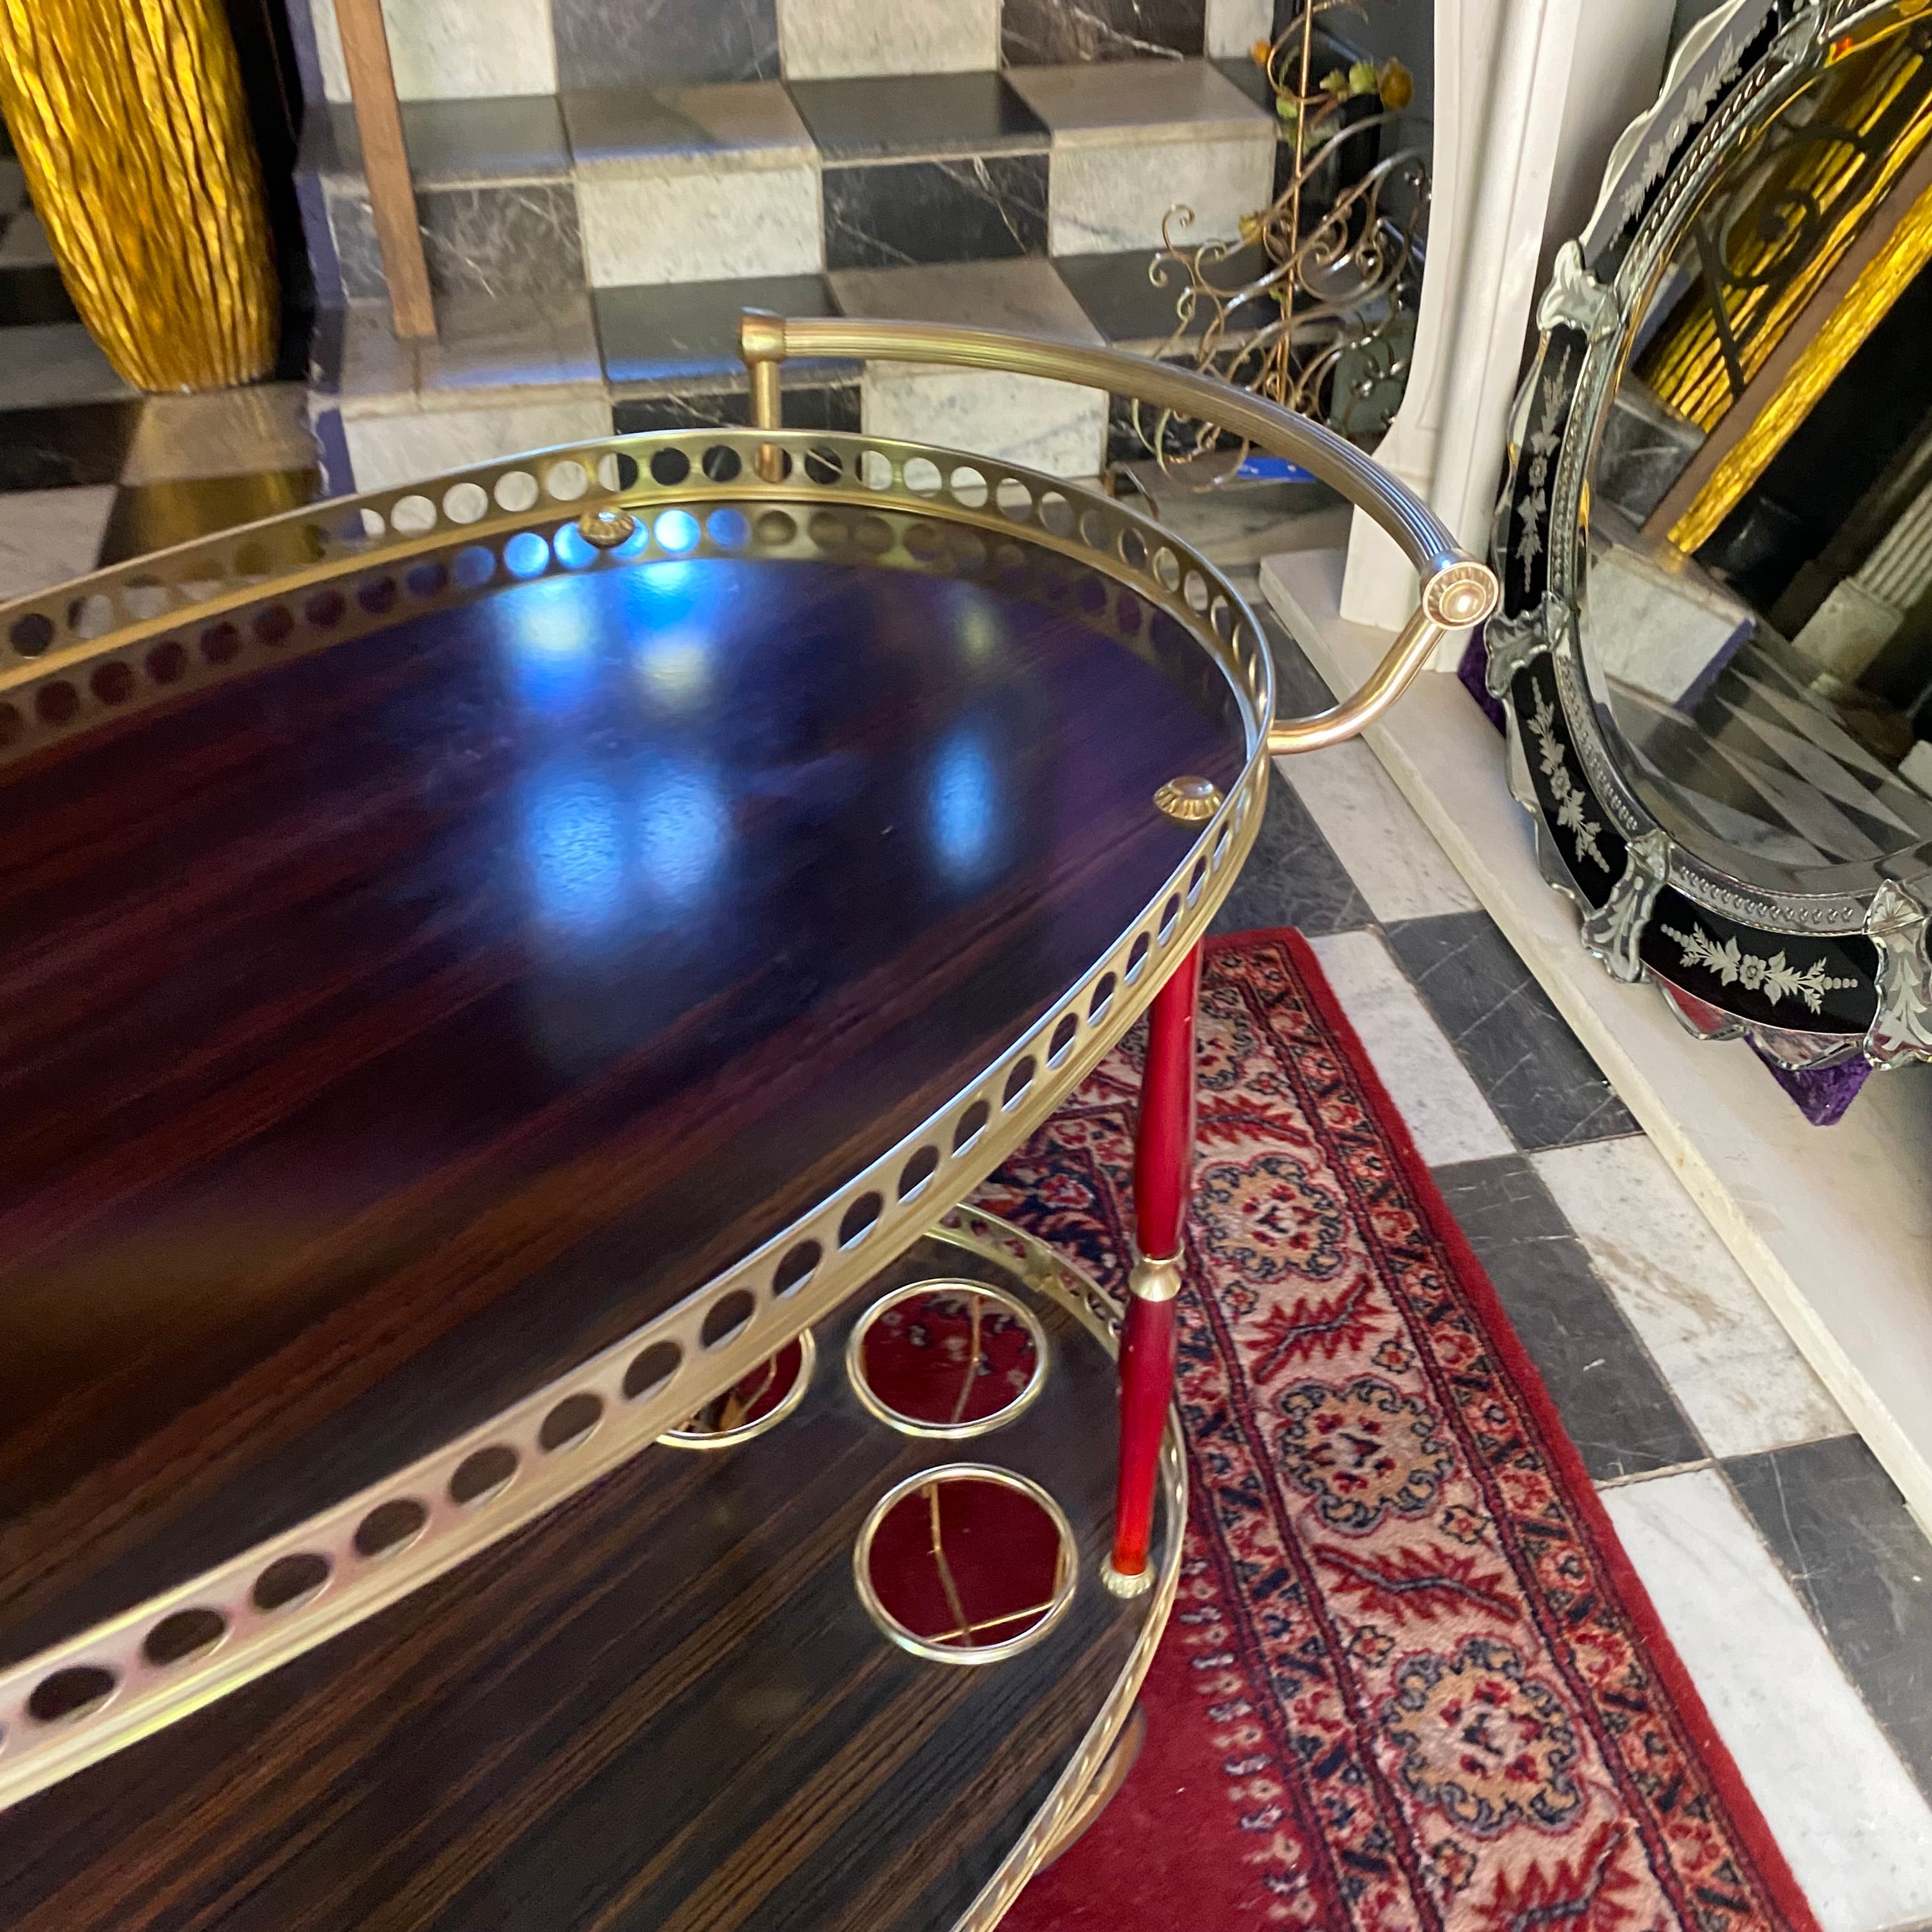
[1126, 1586]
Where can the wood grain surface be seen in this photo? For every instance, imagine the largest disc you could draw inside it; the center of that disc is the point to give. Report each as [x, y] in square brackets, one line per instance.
[386, 1032]
[661, 1708]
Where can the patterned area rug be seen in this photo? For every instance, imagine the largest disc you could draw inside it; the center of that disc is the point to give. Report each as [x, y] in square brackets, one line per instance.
[1411, 1681]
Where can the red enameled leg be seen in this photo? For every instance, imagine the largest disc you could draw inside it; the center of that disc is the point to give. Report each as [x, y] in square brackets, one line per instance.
[1163, 1179]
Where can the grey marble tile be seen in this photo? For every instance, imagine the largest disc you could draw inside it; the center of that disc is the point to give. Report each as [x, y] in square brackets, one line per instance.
[1614, 1404]
[493, 240]
[1034, 33]
[507, 349]
[65, 449]
[502, 240]
[668, 332]
[1290, 877]
[451, 143]
[1135, 310]
[1524, 1057]
[50, 364]
[1863, 1569]
[895, 213]
[918, 114]
[618, 43]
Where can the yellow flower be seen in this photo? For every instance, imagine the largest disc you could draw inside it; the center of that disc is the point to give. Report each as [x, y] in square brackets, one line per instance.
[1395, 84]
[1362, 78]
[1251, 228]
[1335, 82]
[1261, 52]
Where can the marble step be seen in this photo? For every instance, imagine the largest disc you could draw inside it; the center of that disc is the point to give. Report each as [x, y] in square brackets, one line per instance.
[620, 188]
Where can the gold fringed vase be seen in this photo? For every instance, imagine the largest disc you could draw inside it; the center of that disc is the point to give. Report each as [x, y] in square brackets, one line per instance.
[129, 120]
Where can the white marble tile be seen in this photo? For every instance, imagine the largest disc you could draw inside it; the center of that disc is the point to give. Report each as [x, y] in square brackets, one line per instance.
[47, 536]
[1855, 1827]
[1106, 198]
[1397, 865]
[451, 49]
[24, 245]
[52, 363]
[1103, 103]
[1728, 1360]
[1233, 26]
[1049, 426]
[386, 450]
[228, 433]
[1020, 419]
[700, 227]
[832, 39]
[546, 349]
[1447, 1116]
[1134, 140]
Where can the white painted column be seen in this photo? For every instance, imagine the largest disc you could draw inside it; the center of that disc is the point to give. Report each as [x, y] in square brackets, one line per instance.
[1531, 95]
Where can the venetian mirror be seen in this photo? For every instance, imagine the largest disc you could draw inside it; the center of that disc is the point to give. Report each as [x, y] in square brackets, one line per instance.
[1715, 536]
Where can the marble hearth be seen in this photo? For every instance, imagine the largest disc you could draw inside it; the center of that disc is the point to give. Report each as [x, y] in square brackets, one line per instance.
[600, 188]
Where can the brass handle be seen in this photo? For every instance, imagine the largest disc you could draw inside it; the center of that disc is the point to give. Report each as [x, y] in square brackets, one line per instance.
[1457, 589]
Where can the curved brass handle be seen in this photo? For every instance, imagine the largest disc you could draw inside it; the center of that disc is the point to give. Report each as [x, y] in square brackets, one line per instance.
[1457, 589]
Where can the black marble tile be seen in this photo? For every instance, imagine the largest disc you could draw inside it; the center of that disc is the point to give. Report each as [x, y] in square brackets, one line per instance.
[917, 114]
[1051, 33]
[663, 43]
[65, 449]
[897, 213]
[1839, 1526]
[1250, 79]
[451, 143]
[1299, 688]
[661, 332]
[1614, 1403]
[1128, 305]
[831, 406]
[34, 294]
[1531, 1068]
[152, 516]
[521, 238]
[1292, 877]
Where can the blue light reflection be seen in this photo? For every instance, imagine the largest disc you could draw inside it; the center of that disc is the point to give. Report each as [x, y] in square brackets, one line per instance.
[573, 838]
[963, 806]
[551, 645]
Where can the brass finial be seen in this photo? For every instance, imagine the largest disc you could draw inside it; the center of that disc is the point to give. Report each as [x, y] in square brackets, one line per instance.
[606, 528]
[1188, 800]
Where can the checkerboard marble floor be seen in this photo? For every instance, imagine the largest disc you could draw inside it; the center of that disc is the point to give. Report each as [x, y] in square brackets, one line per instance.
[1781, 1558]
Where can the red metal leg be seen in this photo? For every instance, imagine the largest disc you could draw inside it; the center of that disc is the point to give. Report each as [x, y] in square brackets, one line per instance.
[1163, 1180]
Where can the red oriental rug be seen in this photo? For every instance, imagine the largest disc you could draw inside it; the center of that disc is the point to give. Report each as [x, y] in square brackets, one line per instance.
[1411, 1681]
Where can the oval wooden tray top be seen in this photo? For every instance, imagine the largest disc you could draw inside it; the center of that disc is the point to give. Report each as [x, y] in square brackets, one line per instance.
[476, 964]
